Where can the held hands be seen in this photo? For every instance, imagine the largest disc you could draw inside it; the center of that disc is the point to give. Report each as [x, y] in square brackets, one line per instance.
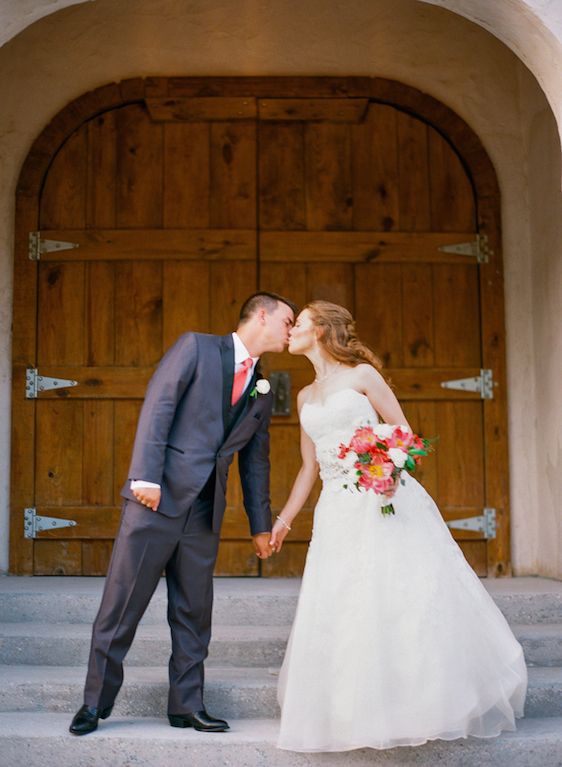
[262, 546]
[278, 535]
[148, 496]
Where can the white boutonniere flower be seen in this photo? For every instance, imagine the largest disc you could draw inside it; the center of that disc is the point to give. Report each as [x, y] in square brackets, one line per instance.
[262, 387]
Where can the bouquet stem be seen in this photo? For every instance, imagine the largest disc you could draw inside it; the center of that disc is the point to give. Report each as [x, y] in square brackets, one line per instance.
[387, 509]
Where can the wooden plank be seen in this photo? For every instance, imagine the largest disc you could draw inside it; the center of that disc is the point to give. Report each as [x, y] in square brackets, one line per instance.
[460, 457]
[125, 426]
[61, 296]
[329, 192]
[138, 313]
[93, 522]
[186, 176]
[198, 109]
[57, 558]
[279, 86]
[281, 176]
[100, 313]
[230, 288]
[186, 299]
[476, 556]
[362, 247]
[129, 382]
[451, 195]
[236, 558]
[495, 411]
[59, 451]
[103, 382]
[63, 198]
[378, 310]
[289, 563]
[154, 244]
[332, 110]
[375, 171]
[456, 316]
[233, 175]
[330, 282]
[139, 169]
[413, 174]
[95, 557]
[417, 315]
[102, 171]
[97, 467]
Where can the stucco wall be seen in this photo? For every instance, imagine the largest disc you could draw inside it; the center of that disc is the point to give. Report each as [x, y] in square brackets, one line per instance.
[542, 148]
[85, 46]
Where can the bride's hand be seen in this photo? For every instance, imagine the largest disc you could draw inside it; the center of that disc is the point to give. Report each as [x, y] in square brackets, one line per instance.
[278, 535]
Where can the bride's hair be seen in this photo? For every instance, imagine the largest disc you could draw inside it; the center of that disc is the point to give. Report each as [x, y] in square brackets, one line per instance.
[339, 336]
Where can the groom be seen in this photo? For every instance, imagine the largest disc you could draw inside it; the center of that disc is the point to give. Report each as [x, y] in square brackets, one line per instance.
[201, 407]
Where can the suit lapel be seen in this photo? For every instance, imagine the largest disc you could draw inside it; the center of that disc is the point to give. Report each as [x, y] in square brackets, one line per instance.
[227, 359]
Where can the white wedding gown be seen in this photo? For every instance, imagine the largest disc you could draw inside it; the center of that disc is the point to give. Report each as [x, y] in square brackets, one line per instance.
[395, 640]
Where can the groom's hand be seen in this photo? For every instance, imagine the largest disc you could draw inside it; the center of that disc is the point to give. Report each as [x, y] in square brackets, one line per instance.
[262, 546]
[148, 496]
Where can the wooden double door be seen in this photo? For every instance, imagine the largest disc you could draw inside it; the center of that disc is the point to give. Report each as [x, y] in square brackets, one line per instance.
[161, 216]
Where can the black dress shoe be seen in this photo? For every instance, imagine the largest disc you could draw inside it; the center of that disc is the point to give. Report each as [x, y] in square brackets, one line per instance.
[86, 719]
[200, 720]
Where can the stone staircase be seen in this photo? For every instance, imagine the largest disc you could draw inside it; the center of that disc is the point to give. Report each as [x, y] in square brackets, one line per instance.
[44, 639]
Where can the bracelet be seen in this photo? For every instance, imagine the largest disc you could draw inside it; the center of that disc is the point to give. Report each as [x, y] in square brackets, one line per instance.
[283, 522]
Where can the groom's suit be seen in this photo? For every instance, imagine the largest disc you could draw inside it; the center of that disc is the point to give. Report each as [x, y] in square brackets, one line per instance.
[186, 439]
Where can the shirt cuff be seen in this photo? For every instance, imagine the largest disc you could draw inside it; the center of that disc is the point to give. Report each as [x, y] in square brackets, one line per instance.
[137, 484]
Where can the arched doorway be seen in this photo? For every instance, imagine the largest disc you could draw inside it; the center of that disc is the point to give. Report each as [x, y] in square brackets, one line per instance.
[176, 197]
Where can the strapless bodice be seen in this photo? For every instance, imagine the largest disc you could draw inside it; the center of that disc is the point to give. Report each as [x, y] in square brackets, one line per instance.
[332, 422]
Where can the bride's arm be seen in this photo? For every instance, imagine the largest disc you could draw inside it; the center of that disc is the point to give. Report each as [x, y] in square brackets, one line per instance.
[299, 493]
[381, 396]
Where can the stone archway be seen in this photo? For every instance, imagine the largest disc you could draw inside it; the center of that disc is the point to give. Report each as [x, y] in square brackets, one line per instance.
[533, 32]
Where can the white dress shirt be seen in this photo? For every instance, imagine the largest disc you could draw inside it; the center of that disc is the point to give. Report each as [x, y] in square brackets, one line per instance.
[240, 354]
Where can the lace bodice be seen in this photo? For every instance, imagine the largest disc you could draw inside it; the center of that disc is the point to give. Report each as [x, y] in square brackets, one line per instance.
[332, 422]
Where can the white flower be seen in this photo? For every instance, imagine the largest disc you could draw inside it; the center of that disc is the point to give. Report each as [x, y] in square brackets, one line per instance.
[384, 430]
[263, 386]
[397, 456]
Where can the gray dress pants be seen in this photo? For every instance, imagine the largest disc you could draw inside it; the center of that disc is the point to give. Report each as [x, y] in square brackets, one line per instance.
[148, 543]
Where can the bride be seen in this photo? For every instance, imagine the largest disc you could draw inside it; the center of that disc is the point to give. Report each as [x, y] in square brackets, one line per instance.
[395, 641]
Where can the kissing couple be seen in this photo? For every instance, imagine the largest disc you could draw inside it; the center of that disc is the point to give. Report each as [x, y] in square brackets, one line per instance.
[395, 641]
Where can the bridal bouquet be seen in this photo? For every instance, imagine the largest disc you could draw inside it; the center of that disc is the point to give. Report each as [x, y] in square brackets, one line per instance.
[379, 453]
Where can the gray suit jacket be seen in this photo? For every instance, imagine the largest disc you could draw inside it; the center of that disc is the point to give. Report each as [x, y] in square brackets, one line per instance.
[187, 432]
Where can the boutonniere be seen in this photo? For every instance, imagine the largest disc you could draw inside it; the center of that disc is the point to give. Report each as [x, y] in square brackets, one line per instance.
[262, 387]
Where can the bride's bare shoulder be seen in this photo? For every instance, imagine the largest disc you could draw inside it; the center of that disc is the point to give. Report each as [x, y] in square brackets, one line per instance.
[367, 374]
[304, 395]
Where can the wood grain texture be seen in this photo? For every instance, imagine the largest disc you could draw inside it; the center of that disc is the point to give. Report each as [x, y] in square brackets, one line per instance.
[154, 244]
[446, 196]
[186, 176]
[199, 109]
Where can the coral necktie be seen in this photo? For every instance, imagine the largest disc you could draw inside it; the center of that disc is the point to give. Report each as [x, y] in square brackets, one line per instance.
[239, 380]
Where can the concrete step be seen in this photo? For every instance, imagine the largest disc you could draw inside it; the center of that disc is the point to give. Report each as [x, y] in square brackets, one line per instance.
[67, 644]
[43, 739]
[242, 601]
[232, 692]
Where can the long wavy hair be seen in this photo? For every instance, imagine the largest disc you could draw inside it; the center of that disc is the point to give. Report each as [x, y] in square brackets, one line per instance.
[338, 336]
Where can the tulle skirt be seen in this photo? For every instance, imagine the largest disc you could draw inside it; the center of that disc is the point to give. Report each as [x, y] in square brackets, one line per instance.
[395, 640]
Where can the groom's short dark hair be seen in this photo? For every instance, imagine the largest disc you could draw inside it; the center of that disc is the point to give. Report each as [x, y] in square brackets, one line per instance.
[265, 300]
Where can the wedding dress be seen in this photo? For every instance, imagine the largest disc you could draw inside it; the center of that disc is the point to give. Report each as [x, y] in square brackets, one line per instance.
[395, 641]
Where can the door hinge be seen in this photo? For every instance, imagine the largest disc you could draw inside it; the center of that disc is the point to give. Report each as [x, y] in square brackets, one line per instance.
[485, 523]
[479, 248]
[34, 383]
[484, 383]
[34, 524]
[37, 246]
